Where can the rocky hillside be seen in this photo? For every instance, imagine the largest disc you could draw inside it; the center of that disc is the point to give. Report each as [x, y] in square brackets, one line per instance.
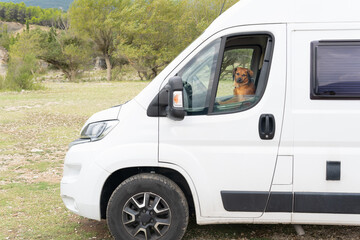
[14, 27]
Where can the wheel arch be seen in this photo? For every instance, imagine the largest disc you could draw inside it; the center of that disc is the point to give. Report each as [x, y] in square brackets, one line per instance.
[117, 177]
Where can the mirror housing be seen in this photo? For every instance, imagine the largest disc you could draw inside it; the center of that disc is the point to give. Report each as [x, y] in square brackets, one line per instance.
[169, 102]
[175, 109]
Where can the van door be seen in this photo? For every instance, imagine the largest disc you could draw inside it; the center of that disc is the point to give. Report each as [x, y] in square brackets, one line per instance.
[228, 143]
[325, 111]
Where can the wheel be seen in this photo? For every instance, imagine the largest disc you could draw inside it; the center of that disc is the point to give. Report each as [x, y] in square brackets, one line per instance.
[147, 207]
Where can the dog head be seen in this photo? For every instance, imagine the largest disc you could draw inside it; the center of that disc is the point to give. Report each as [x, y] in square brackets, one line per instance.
[242, 75]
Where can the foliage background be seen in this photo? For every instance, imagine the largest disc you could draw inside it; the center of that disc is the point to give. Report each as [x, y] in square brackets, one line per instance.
[145, 35]
[64, 4]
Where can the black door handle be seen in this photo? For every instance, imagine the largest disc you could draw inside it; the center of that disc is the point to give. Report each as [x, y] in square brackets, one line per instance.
[267, 126]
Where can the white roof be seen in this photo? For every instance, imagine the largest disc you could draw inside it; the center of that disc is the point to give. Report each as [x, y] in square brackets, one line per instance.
[247, 12]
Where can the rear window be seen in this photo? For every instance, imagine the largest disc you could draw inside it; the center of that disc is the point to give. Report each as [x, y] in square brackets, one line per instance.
[335, 69]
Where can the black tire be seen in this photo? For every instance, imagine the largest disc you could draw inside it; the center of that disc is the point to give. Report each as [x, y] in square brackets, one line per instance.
[147, 207]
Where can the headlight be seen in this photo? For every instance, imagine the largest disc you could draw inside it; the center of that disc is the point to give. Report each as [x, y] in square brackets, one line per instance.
[98, 130]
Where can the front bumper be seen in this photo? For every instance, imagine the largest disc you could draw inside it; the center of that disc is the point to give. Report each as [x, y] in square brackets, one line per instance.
[82, 183]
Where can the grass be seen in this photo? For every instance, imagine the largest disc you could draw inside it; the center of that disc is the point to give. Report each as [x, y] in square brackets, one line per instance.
[35, 128]
[33, 210]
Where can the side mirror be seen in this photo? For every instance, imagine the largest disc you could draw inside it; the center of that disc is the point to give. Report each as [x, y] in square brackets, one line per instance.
[169, 102]
[175, 109]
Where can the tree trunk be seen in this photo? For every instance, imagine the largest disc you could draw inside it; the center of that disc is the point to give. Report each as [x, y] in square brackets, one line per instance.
[67, 74]
[73, 75]
[108, 67]
[141, 77]
[154, 73]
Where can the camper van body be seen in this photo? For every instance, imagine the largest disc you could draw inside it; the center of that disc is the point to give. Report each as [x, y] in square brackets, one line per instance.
[230, 171]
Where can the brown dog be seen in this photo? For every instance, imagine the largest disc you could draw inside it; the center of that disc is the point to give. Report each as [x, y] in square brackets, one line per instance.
[242, 85]
[242, 81]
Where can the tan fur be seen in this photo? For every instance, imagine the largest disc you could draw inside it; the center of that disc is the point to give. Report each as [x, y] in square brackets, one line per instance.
[242, 85]
[242, 81]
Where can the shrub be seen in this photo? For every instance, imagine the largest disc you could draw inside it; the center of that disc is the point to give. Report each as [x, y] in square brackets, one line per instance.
[23, 64]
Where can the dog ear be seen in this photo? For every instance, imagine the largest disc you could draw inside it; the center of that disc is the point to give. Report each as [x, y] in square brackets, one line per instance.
[251, 73]
[234, 71]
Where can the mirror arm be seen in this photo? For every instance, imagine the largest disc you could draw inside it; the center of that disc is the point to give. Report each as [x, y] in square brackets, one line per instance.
[158, 105]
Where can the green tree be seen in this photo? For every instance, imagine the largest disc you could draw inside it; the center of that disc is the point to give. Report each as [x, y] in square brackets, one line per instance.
[22, 63]
[150, 38]
[64, 50]
[155, 31]
[6, 39]
[12, 12]
[96, 19]
[199, 14]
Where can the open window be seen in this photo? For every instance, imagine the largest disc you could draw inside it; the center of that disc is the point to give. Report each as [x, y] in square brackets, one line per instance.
[229, 75]
[243, 73]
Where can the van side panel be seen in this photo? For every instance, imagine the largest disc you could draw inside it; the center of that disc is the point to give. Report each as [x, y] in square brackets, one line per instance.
[326, 145]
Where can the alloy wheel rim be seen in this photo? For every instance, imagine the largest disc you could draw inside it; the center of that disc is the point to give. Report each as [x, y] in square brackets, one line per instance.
[146, 216]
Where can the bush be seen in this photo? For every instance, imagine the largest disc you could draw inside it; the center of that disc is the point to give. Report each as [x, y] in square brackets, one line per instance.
[22, 65]
[20, 73]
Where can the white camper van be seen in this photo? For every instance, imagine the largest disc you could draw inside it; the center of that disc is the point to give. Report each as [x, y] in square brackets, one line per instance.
[255, 122]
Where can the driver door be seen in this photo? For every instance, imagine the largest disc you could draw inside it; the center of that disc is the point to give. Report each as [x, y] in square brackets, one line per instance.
[219, 143]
